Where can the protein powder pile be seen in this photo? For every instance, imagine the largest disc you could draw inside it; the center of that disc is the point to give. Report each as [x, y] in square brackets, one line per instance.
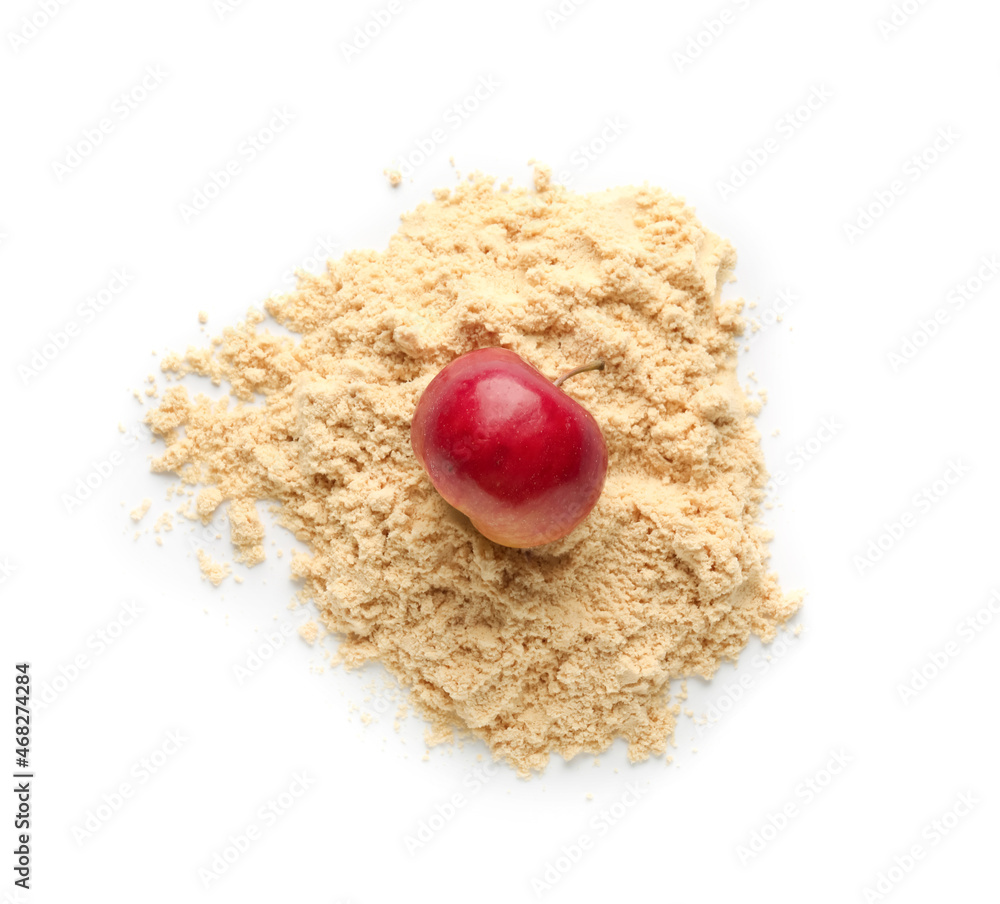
[561, 648]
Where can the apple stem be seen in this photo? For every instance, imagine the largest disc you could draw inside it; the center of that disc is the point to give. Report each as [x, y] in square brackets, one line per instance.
[593, 365]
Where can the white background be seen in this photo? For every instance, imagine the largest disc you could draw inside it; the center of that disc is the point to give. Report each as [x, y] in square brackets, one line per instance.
[683, 124]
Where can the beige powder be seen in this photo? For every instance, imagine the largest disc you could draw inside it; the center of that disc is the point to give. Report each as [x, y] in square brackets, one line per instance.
[216, 572]
[561, 648]
[139, 512]
[309, 632]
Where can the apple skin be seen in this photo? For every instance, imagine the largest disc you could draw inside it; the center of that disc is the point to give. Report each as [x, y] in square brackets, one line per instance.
[510, 449]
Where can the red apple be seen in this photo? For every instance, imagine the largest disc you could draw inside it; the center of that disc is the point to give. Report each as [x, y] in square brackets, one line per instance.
[509, 448]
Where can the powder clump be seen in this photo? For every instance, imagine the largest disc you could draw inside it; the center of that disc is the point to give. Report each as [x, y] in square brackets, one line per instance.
[139, 512]
[561, 648]
[309, 632]
[216, 572]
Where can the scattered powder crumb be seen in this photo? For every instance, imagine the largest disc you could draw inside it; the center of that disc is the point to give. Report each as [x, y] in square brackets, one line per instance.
[775, 432]
[185, 511]
[164, 522]
[207, 502]
[159, 541]
[202, 317]
[568, 648]
[394, 176]
[139, 512]
[214, 571]
[121, 427]
[590, 796]
[245, 530]
[309, 632]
